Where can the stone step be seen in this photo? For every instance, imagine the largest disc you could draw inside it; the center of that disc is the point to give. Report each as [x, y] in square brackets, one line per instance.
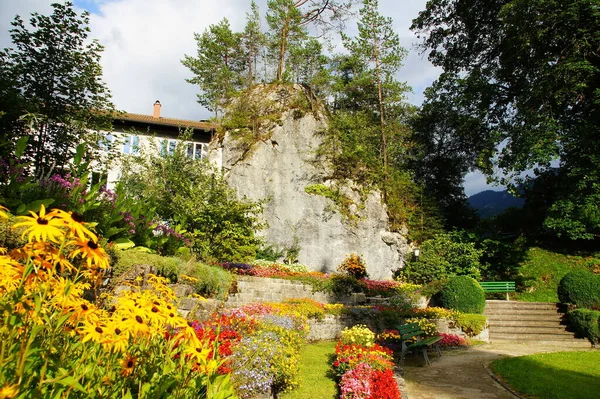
[544, 308]
[557, 318]
[525, 323]
[545, 312]
[568, 343]
[565, 336]
[558, 330]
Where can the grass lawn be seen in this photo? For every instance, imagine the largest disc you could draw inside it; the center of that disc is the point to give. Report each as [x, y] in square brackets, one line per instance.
[314, 367]
[561, 375]
[542, 271]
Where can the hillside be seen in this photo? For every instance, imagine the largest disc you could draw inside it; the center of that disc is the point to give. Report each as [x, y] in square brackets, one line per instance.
[491, 203]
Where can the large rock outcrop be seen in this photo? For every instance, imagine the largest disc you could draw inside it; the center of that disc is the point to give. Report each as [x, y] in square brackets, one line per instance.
[280, 163]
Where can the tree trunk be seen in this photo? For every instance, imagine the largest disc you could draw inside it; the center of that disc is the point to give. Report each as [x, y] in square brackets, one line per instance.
[381, 119]
[282, 49]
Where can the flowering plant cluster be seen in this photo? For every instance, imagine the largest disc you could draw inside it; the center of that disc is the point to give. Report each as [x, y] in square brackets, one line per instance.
[452, 341]
[365, 372]
[353, 265]
[265, 358]
[428, 327]
[358, 335]
[57, 343]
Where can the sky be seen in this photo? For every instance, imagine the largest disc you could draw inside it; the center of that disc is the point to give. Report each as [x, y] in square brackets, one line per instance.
[145, 40]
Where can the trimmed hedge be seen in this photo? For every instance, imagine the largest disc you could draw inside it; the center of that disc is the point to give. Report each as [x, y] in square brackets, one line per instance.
[464, 294]
[584, 323]
[580, 288]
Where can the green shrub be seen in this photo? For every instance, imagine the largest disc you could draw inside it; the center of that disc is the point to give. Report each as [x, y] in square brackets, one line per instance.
[581, 288]
[168, 267]
[471, 324]
[464, 294]
[211, 281]
[446, 255]
[584, 322]
[10, 238]
[344, 285]
[208, 281]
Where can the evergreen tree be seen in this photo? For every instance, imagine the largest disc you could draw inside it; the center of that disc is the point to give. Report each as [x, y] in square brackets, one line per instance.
[285, 31]
[219, 66]
[253, 41]
[53, 75]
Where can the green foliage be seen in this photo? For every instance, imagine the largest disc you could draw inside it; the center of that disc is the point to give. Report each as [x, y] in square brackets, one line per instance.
[580, 288]
[208, 281]
[269, 252]
[471, 324]
[464, 294]
[53, 75]
[168, 267]
[354, 266]
[189, 193]
[445, 255]
[10, 238]
[558, 375]
[499, 86]
[218, 66]
[343, 285]
[584, 322]
[539, 273]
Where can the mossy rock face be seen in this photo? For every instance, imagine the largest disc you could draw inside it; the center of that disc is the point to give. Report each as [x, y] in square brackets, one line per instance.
[580, 288]
[464, 294]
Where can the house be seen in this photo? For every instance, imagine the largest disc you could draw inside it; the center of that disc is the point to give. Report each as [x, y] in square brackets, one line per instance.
[133, 133]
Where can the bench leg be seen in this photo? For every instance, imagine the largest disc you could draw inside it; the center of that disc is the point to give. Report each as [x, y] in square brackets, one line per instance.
[507, 298]
[427, 362]
[438, 349]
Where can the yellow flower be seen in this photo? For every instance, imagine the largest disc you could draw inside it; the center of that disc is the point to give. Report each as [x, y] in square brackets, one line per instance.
[91, 251]
[41, 226]
[3, 211]
[93, 331]
[9, 391]
[76, 225]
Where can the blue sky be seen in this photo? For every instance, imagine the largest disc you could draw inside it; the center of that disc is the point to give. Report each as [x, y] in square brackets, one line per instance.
[144, 41]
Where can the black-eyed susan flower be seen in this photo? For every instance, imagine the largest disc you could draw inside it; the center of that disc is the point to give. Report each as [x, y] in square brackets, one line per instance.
[76, 225]
[91, 251]
[42, 226]
[127, 366]
[93, 331]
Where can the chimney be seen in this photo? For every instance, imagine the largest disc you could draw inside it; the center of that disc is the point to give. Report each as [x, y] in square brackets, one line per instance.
[156, 113]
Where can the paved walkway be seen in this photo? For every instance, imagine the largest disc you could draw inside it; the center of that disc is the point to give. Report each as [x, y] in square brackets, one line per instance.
[461, 374]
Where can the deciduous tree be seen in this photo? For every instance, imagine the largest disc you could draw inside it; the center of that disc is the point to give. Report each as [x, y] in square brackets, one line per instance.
[530, 72]
[53, 75]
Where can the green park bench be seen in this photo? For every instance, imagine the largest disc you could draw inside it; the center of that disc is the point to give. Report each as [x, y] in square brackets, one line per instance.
[498, 286]
[413, 330]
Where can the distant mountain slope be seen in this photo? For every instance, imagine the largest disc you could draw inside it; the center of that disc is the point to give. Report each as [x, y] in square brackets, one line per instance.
[490, 203]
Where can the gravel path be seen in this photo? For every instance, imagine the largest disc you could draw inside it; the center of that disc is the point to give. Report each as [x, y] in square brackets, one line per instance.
[462, 374]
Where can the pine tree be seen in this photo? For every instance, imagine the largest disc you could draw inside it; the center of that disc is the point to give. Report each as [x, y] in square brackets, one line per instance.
[219, 66]
[253, 41]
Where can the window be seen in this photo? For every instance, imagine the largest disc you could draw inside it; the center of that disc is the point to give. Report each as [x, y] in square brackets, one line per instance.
[131, 144]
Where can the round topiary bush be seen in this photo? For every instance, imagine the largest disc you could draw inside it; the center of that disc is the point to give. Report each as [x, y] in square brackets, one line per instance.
[580, 288]
[464, 294]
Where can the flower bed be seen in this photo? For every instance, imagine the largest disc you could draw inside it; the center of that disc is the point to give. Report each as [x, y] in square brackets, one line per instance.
[364, 370]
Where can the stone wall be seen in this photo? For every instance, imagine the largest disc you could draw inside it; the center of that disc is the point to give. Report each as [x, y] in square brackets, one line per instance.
[258, 289]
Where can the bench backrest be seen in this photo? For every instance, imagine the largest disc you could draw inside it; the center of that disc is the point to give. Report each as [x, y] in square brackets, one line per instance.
[497, 286]
[410, 330]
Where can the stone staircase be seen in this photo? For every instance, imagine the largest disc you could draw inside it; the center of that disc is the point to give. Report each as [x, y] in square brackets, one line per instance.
[542, 322]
